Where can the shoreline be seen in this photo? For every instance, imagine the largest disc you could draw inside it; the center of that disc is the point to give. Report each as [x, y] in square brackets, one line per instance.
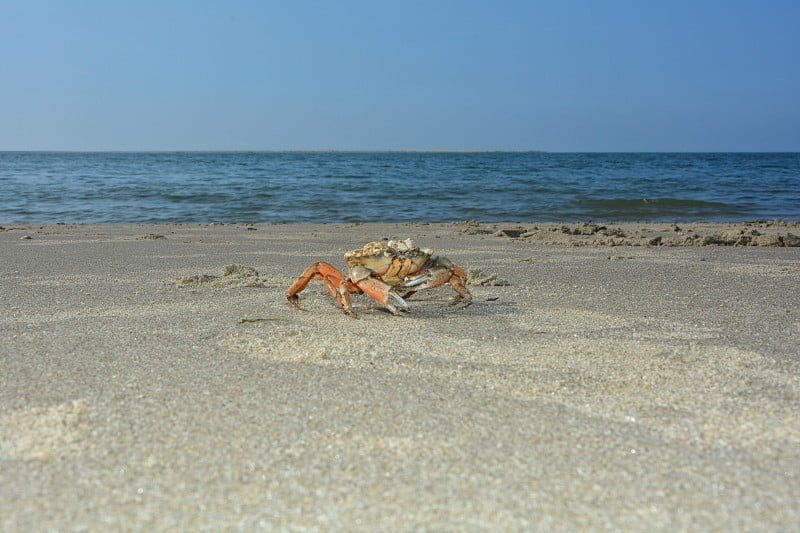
[600, 379]
[759, 233]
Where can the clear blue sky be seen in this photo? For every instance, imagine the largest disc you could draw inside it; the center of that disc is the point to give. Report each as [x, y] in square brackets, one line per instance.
[561, 75]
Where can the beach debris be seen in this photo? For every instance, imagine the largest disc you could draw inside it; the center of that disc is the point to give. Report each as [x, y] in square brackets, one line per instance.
[380, 269]
[767, 240]
[792, 240]
[150, 237]
[473, 227]
[475, 276]
[742, 238]
[260, 319]
[233, 276]
[514, 233]
[589, 234]
[25, 238]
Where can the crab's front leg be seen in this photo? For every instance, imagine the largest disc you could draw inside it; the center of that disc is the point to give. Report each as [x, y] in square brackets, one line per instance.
[339, 286]
[381, 292]
[440, 272]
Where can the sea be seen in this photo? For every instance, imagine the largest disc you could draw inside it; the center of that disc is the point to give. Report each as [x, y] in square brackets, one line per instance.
[346, 187]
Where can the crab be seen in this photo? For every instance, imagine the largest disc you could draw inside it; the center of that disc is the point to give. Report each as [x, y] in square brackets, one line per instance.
[382, 268]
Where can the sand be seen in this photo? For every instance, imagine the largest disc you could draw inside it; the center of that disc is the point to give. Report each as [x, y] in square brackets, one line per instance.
[635, 376]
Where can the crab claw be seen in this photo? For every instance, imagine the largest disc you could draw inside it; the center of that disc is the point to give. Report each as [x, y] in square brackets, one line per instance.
[419, 280]
[383, 294]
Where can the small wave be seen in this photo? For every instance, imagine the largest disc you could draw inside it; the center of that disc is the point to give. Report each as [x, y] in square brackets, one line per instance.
[657, 209]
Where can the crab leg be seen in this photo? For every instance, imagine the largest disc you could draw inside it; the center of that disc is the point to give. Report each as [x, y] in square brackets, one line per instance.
[339, 287]
[383, 294]
[458, 282]
[441, 272]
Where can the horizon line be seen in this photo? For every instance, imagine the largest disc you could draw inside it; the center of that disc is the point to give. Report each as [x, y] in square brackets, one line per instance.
[396, 150]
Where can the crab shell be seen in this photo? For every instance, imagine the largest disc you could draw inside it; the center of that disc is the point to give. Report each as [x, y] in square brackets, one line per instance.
[396, 263]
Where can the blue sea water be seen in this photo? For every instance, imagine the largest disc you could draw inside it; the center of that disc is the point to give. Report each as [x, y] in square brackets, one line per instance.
[196, 187]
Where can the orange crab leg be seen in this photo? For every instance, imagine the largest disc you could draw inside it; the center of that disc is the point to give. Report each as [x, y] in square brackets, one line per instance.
[339, 287]
[439, 274]
[458, 282]
[383, 294]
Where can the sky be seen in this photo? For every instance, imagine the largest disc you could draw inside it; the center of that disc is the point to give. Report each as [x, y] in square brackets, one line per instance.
[561, 75]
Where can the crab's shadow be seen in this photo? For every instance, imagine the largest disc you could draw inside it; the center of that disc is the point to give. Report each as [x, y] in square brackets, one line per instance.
[438, 308]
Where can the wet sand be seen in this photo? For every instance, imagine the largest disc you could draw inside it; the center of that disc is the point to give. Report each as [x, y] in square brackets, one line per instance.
[638, 376]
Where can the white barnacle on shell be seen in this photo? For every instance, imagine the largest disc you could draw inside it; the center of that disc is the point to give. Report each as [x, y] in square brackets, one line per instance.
[402, 246]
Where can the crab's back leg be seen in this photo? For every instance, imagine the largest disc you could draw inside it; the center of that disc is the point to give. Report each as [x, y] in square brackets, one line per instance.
[339, 287]
[458, 282]
[441, 272]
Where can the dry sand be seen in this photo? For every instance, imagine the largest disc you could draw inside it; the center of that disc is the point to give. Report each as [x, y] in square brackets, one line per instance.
[648, 385]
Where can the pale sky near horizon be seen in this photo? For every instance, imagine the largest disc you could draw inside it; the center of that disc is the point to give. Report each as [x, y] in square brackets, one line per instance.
[564, 75]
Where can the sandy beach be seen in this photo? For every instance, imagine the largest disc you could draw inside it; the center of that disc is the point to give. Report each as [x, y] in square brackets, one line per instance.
[606, 376]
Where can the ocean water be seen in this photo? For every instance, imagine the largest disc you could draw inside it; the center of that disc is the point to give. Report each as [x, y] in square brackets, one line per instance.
[199, 187]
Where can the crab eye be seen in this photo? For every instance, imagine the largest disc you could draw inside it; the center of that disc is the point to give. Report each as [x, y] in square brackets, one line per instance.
[384, 238]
